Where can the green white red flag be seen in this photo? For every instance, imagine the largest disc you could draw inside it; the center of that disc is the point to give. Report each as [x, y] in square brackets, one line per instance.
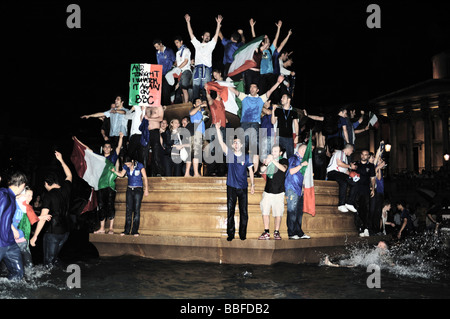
[309, 197]
[93, 168]
[243, 57]
[145, 84]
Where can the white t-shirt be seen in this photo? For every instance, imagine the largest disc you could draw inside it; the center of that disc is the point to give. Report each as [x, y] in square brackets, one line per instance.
[203, 52]
[186, 56]
[333, 166]
[135, 118]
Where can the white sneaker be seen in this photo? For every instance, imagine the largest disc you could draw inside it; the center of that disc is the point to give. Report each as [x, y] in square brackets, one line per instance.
[305, 236]
[351, 208]
[342, 209]
[294, 237]
[365, 233]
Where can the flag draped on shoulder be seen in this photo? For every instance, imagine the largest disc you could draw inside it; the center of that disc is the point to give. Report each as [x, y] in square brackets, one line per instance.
[93, 168]
[228, 97]
[243, 57]
[309, 197]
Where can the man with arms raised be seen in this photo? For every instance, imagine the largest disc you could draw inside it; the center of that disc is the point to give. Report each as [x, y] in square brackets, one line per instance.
[56, 203]
[203, 55]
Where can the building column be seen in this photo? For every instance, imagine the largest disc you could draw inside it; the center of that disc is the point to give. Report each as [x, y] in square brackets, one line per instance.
[393, 141]
[409, 139]
[427, 133]
[443, 107]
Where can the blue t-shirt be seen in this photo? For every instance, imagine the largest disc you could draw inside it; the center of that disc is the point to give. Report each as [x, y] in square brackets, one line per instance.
[276, 62]
[266, 123]
[266, 61]
[166, 59]
[237, 169]
[294, 182]
[113, 157]
[229, 47]
[7, 211]
[197, 120]
[380, 184]
[252, 107]
[341, 122]
[135, 176]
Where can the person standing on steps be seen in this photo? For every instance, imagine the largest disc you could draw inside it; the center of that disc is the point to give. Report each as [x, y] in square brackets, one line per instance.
[274, 166]
[137, 188]
[237, 186]
[294, 194]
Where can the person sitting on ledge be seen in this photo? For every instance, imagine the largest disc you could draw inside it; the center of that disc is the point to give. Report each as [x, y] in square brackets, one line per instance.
[338, 170]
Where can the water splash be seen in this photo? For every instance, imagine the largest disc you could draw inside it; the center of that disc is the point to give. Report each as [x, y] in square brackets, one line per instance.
[36, 279]
[424, 256]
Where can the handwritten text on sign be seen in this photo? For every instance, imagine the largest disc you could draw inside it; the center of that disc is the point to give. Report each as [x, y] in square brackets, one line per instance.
[145, 84]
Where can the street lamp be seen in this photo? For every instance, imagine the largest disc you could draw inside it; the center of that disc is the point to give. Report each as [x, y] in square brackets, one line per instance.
[446, 157]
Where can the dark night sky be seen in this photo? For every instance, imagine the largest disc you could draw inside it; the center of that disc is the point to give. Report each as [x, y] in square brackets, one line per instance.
[64, 73]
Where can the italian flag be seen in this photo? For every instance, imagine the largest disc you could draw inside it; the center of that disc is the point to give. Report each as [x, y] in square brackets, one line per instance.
[228, 97]
[309, 197]
[374, 121]
[145, 84]
[93, 168]
[243, 57]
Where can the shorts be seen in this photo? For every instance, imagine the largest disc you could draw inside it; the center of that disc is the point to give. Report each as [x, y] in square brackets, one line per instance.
[186, 79]
[274, 201]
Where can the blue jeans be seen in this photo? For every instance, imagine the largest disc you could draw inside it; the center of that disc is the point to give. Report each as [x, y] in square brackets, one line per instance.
[12, 257]
[134, 199]
[344, 182]
[106, 199]
[202, 75]
[294, 213]
[52, 246]
[27, 260]
[216, 165]
[234, 195]
[288, 144]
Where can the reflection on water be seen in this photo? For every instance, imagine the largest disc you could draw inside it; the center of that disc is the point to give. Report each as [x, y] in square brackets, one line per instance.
[413, 269]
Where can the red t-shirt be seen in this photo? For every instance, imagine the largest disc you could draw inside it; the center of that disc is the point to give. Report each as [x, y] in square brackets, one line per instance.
[218, 113]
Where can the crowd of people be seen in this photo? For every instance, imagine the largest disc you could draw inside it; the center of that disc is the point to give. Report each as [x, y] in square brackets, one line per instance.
[186, 147]
[269, 142]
